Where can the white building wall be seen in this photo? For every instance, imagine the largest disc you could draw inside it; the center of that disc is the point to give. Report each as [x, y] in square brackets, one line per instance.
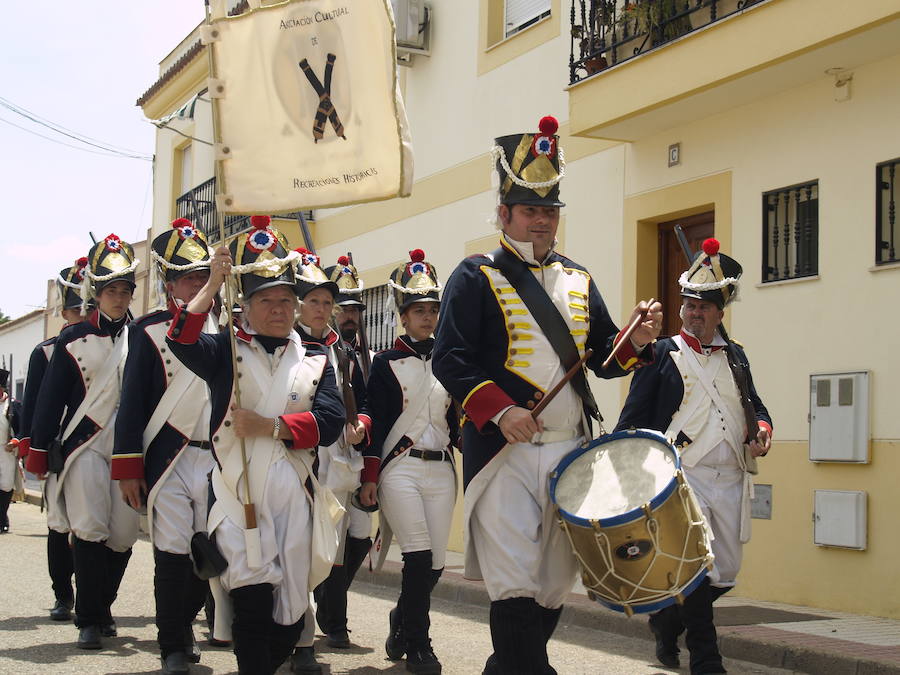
[16, 343]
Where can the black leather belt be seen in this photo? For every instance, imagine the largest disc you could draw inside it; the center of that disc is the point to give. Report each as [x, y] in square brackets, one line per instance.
[430, 455]
[203, 445]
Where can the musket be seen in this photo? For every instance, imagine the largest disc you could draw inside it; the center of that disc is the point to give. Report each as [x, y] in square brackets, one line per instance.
[344, 353]
[365, 356]
[738, 371]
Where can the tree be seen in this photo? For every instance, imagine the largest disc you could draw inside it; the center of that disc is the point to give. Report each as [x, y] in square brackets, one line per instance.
[4, 317]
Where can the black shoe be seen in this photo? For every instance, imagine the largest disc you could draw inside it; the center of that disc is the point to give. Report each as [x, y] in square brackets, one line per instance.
[422, 660]
[89, 638]
[303, 660]
[109, 629]
[491, 667]
[395, 645]
[221, 644]
[62, 611]
[191, 648]
[174, 663]
[666, 647]
[339, 639]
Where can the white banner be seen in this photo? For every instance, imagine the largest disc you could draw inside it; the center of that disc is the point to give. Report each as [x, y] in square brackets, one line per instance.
[310, 113]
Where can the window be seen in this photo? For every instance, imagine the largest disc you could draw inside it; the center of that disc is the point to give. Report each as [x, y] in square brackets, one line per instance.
[519, 14]
[186, 168]
[380, 321]
[886, 211]
[791, 232]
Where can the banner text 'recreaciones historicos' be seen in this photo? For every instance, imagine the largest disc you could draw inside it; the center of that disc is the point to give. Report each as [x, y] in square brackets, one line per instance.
[317, 17]
[347, 178]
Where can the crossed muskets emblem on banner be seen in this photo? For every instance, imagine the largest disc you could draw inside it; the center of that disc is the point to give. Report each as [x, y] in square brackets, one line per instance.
[326, 106]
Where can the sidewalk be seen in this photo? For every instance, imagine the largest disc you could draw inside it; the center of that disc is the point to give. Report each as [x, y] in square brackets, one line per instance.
[803, 639]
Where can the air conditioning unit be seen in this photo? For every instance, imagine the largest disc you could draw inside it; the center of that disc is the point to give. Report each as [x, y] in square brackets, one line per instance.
[413, 21]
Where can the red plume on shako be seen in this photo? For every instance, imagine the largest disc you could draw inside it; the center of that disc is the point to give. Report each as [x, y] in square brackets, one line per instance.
[711, 246]
[544, 143]
[113, 243]
[261, 239]
[186, 229]
[417, 256]
[307, 257]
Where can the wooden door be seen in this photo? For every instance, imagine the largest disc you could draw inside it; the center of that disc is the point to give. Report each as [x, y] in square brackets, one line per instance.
[672, 263]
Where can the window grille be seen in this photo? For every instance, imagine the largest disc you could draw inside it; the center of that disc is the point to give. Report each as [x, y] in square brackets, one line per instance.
[380, 320]
[791, 232]
[886, 211]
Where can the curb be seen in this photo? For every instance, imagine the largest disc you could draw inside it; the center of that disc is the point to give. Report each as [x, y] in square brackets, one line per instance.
[580, 611]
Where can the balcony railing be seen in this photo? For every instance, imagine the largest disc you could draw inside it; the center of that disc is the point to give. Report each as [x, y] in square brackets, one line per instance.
[886, 212]
[199, 206]
[608, 32]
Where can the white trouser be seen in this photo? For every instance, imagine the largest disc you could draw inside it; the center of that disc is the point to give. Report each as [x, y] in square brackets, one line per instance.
[56, 517]
[180, 507]
[719, 493]
[285, 529]
[94, 504]
[521, 549]
[360, 523]
[417, 497]
[8, 470]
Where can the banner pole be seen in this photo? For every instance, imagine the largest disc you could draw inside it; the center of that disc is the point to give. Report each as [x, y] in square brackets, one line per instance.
[252, 540]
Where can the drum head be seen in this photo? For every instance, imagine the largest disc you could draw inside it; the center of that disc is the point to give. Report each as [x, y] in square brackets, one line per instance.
[615, 474]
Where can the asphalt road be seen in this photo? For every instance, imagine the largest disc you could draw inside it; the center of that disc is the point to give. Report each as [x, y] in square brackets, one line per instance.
[31, 643]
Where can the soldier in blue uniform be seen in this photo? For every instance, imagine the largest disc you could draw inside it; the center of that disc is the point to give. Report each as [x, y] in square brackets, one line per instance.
[689, 394]
[512, 323]
[59, 555]
[339, 463]
[10, 423]
[73, 419]
[161, 454]
[289, 406]
[409, 463]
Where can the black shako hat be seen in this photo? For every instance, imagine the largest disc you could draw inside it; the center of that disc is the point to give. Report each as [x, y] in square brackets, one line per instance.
[261, 258]
[109, 260]
[414, 281]
[70, 283]
[349, 285]
[180, 250]
[530, 166]
[713, 276]
[310, 274]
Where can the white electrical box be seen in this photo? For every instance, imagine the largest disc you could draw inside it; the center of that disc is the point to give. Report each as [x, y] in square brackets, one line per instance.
[839, 417]
[840, 519]
[411, 20]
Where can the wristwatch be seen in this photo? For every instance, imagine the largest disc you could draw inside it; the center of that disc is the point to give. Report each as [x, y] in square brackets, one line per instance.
[277, 428]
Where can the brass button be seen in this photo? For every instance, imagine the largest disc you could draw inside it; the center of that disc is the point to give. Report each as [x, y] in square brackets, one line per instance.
[512, 351]
[84, 339]
[227, 423]
[497, 291]
[215, 439]
[509, 363]
[162, 350]
[169, 374]
[315, 382]
[509, 312]
[79, 358]
[529, 404]
[502, 301]
[510, 326]
[83, 369]
[239, 359]
[514, 336]
[176, 331]
[168, 323]
[168, 361]
[538, 395]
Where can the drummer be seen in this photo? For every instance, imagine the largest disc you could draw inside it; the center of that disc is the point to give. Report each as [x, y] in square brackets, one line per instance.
[689, 394]
[497, 351]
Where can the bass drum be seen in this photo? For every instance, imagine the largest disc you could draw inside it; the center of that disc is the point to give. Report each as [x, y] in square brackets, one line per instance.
[633, 521]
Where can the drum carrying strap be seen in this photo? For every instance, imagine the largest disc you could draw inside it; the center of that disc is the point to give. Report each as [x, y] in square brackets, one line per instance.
[549, 319]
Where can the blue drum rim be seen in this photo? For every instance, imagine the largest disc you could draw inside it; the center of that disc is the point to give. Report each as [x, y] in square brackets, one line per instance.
[644, 608]
[628, 516]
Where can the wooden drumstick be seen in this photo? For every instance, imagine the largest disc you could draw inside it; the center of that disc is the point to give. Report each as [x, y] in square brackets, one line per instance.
[559, 385]
[631, 328]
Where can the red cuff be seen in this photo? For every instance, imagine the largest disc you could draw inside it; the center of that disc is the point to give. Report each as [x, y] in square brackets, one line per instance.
[485, 401]
[371, 469]
[765, 425]
[37, 461]
[304, 429]
[367, 423]
[24, 447]
[126, 466]
[186, 327]
[626, 357]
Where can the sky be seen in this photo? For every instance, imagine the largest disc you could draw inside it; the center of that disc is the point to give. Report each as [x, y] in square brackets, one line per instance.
[81, 65]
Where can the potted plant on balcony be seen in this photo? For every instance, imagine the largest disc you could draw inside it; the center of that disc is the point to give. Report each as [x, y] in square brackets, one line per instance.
[657, 21]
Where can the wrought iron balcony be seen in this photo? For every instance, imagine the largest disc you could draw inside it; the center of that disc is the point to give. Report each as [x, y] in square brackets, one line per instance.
[199, 206]
[607, 32]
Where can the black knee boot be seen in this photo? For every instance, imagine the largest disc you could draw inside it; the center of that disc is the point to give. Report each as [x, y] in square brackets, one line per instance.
[701, 640]
[331, 607]
[355, 553]
[415, 603]
[666, 626]
[91, 575]
[117, 562]
[518, 638]
[549, 619]
[171, 586]
[283, 640]
[61, 568]
[5, 499]
[252, 628]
